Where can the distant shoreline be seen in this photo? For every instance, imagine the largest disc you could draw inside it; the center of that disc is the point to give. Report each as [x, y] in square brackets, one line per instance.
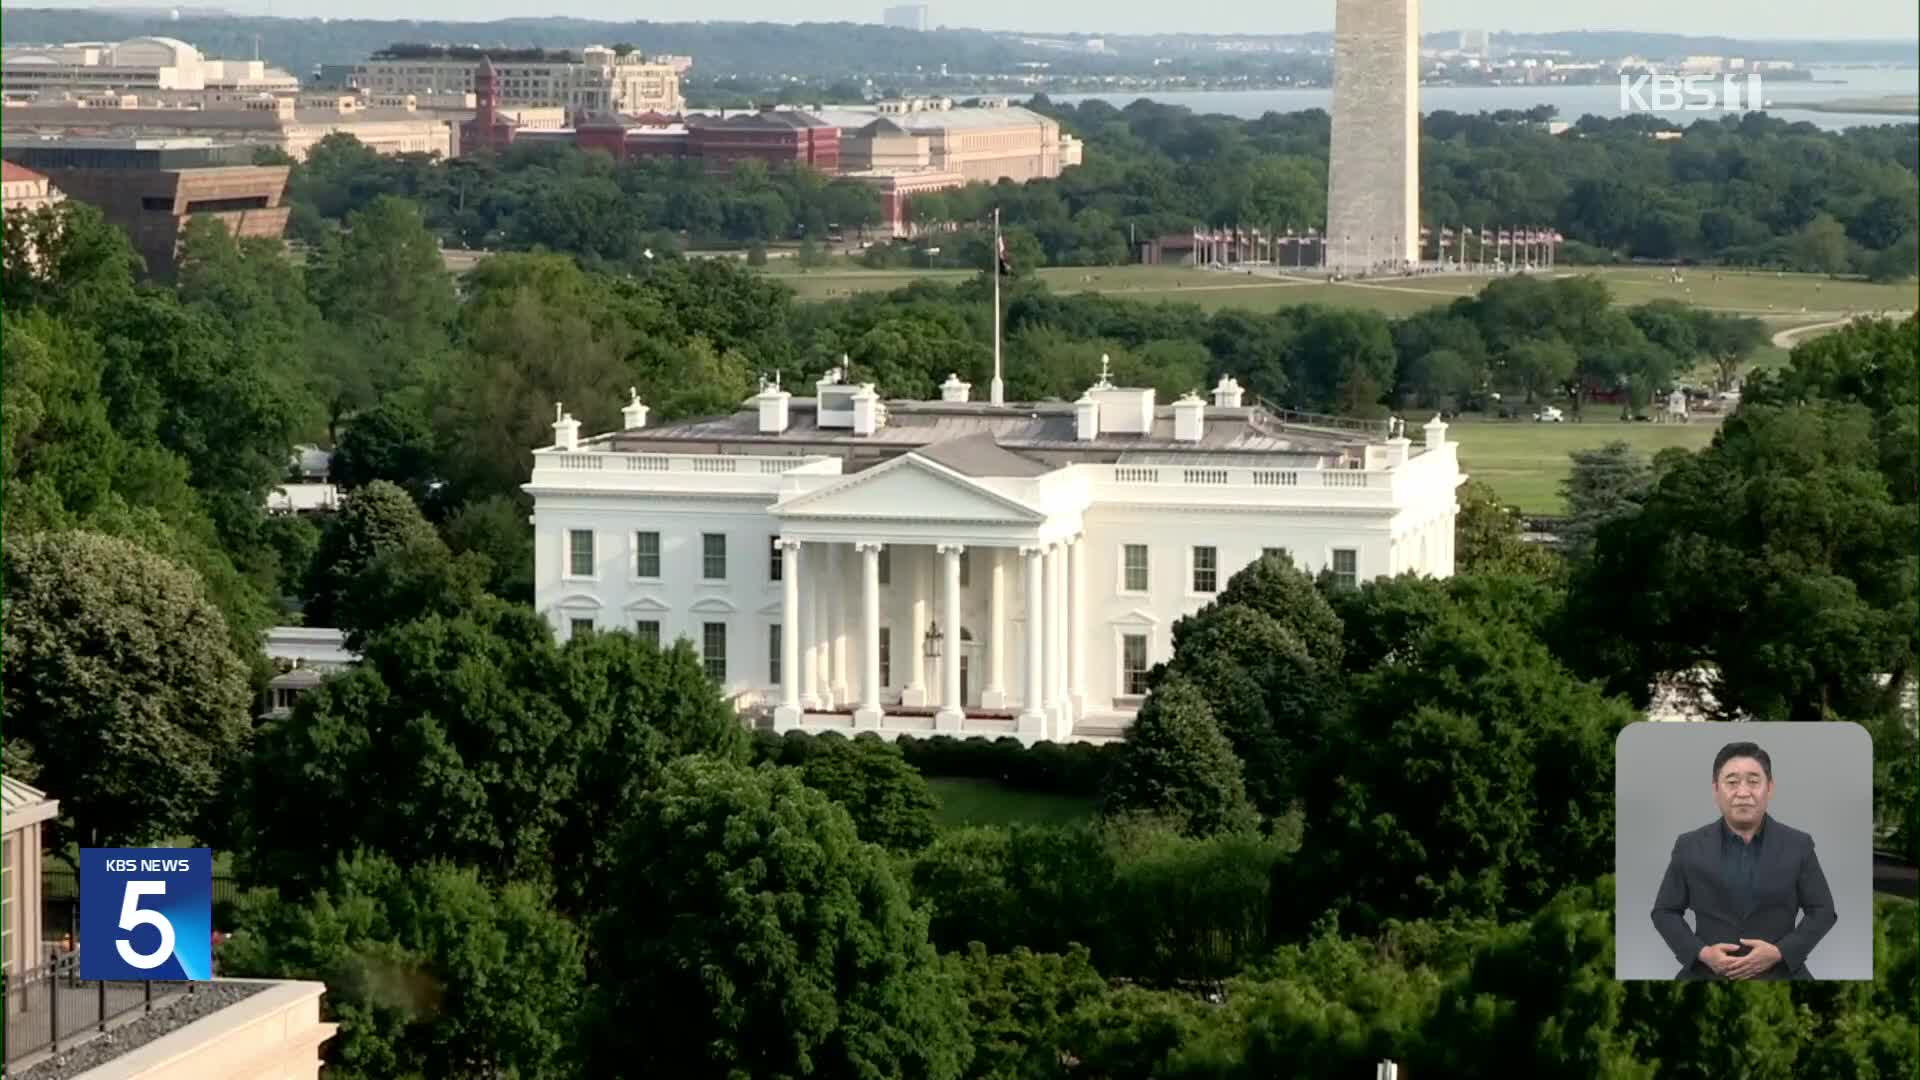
[1889, 105]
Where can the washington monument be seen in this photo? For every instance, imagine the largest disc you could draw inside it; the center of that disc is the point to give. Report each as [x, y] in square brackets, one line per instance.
[1373, 172]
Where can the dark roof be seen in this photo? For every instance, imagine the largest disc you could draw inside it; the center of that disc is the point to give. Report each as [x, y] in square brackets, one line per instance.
[1019, 428]
[979, 455]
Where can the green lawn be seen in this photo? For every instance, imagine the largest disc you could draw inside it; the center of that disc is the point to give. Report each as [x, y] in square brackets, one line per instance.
[985, 802]
[1786, 298]
[1525, 462]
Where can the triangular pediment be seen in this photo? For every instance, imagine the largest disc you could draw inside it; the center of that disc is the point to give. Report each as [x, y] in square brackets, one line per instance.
[648, 605]
[909, 488]
[1137, 617]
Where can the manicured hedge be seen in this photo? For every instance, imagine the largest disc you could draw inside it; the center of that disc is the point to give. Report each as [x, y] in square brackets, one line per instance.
[1073, 769]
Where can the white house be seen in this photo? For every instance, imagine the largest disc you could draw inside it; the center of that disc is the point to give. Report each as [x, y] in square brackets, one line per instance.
[956, 566]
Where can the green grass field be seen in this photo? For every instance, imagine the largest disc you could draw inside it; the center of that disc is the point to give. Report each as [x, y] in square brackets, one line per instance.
[1525, 462]
[1783, 299]
[985, 802]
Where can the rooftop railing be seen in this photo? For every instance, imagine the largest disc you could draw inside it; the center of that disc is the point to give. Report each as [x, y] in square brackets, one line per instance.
[50, 1007]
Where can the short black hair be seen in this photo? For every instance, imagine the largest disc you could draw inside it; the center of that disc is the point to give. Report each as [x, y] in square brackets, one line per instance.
[1742, 749]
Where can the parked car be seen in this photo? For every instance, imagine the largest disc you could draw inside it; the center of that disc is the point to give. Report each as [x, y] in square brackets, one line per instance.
[1549, 415]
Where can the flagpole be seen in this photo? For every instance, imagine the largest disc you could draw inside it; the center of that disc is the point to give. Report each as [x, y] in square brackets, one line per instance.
[998, 391]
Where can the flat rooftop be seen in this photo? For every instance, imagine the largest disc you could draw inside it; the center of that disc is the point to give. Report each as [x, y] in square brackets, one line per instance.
[1244, 435]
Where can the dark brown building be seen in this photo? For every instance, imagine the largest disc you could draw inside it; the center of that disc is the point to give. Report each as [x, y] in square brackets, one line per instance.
[152, 187]
[777, 137]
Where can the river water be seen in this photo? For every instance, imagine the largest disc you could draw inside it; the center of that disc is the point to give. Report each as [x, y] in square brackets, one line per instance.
[1572, 102]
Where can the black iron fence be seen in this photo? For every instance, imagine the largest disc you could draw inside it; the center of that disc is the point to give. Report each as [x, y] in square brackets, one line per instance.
[50, 1006]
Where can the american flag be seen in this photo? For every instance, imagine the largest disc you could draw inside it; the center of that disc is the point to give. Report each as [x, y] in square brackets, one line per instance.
[1003, 264]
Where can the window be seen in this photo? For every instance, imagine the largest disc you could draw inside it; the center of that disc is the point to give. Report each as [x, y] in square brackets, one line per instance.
[580, 627]
[1274, 553]
[966, 568]
[646, 554]
[886, 655]
[1346, 566]
[886, 567]
[580, 552]
[1133, 665]
[774, 567]
[773, 655]
[713, 556]
[1206, 569]
[648, 630]
[713, 650]
[1134, 560]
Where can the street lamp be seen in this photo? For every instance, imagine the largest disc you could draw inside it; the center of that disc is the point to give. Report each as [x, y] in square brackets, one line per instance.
[932, 643]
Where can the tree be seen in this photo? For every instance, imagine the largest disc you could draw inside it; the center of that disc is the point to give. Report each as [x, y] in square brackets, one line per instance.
[429, 971]
[1487, 537]
[121, 682]
[1822, 245]
[1458, 781]
[519, 758]
[1777, 558]
[1019, 1005]
[1604, 485]
[1178, 765]
[391, 441]
[377, 519]
[887, 798]
[760, 935]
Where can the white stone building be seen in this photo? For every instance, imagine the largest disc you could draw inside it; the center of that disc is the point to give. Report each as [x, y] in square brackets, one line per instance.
[960, 567]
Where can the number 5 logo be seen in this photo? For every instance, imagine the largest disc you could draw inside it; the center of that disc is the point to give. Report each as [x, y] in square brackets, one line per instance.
[132, 915]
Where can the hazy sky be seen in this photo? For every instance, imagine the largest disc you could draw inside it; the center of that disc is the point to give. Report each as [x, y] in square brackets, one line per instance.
[1742, 18]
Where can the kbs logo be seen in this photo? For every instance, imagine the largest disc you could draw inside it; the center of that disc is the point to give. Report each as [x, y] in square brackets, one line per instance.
[146, 913]
[1691, 93]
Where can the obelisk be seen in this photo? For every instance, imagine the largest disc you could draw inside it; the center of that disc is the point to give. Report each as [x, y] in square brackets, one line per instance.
[1373, 169]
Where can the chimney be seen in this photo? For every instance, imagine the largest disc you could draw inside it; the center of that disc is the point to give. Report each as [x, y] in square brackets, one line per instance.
[1227, 394]
[866, 410]
[773, 407]
[1436, 431]
[1189, 418]
[1086, 414]
[566, 430]
[955, 390]
[634, 416]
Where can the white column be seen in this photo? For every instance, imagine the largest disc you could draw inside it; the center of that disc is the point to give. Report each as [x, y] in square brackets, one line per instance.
[869, 714]
[952, 709]
[820, 582]
[804, 626]
[994, 694]
[838, 602]
[786, 715]
[1076, 631]
[907, 560]
[1033, 718]
[1056, 658]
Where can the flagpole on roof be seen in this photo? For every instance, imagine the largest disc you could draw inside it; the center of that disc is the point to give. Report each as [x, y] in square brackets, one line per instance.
[998, 390]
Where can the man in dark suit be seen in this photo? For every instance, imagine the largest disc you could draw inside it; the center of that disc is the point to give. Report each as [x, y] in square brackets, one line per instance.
[1747, 878]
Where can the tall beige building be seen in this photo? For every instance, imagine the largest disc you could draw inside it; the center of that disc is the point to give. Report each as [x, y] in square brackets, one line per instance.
[149, 63]
[1373, 170]
[599, 80]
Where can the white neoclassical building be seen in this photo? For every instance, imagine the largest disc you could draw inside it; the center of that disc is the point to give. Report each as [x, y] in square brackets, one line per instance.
[960, 567]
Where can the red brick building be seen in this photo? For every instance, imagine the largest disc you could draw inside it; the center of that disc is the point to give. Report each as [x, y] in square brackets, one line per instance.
[777, 137]
[488, 130]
